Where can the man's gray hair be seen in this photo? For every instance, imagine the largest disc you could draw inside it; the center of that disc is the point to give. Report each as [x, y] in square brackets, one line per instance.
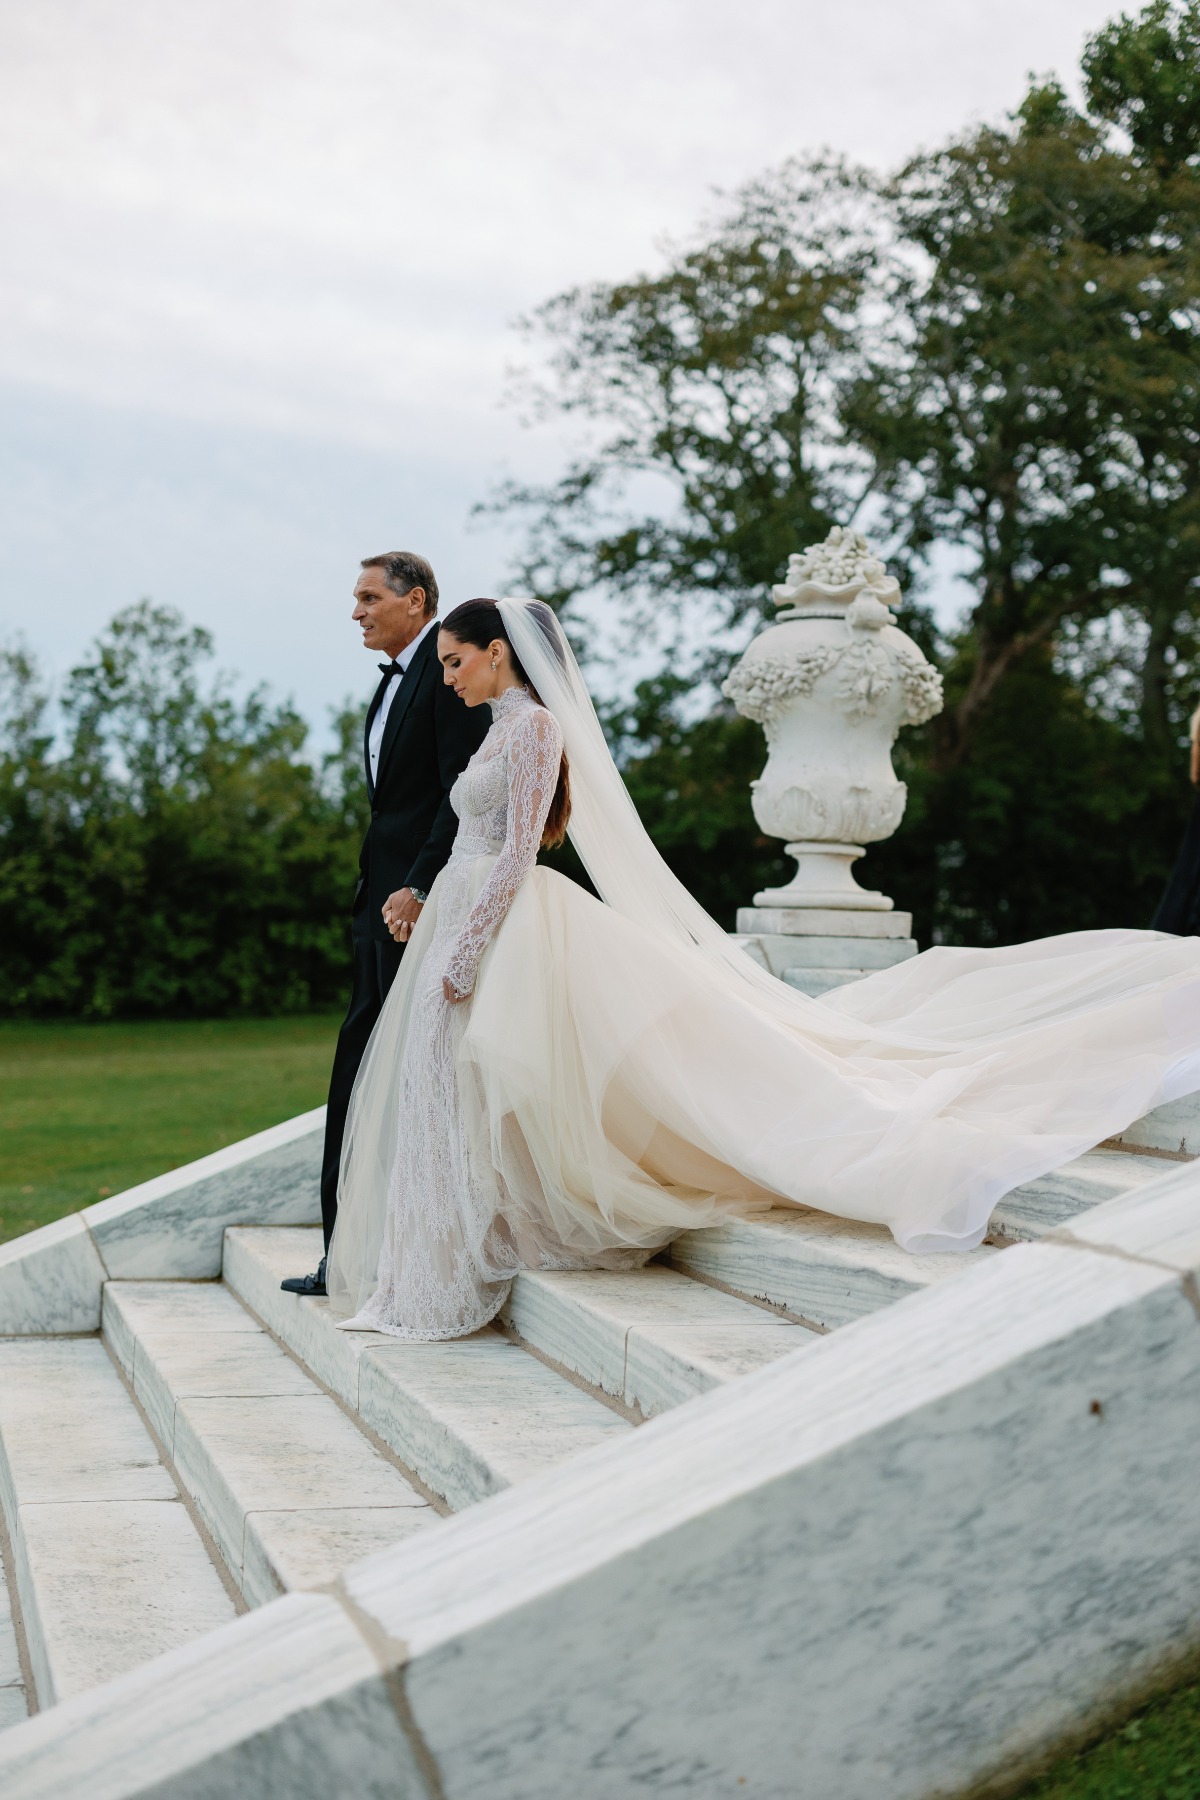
[404, 570]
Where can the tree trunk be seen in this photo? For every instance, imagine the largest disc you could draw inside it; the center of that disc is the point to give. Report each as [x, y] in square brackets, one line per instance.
[995, 655]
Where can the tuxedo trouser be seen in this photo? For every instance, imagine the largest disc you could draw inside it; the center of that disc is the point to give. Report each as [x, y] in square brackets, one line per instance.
[375, 966]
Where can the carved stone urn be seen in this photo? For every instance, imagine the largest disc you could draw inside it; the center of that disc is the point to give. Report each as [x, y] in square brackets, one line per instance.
[831, 683]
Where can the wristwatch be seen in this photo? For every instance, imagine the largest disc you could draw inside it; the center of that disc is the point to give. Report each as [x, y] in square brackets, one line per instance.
[419, 895]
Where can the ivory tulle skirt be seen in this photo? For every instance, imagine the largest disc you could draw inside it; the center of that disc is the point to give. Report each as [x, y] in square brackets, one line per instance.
[606, 1088]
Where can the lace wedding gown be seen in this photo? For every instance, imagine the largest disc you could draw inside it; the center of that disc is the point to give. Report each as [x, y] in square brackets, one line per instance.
[622, 1073]
[453, 1236]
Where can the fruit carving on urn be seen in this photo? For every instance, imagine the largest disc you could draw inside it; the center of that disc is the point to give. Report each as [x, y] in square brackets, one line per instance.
[831, 683]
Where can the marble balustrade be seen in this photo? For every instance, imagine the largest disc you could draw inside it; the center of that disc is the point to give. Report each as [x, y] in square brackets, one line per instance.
[171, 1228]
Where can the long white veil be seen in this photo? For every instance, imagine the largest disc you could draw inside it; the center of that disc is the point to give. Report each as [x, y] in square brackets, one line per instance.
[614, 846]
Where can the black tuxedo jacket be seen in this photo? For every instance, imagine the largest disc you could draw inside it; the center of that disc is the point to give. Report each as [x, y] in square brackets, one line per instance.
[429, 737]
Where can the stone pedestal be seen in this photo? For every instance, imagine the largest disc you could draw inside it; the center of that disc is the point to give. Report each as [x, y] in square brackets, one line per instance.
[816, 949]
[824, 878]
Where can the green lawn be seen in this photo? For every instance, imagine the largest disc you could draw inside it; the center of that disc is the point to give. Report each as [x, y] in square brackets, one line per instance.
[1156, 1756]
[86, 1110]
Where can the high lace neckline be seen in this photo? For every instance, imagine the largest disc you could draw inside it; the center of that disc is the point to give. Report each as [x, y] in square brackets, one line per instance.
[510, 701]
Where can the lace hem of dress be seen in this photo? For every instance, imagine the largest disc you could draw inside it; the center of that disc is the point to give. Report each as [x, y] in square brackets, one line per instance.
[365, 1321]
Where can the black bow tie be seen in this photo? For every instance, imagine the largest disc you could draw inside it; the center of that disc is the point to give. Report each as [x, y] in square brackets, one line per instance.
[389, 669]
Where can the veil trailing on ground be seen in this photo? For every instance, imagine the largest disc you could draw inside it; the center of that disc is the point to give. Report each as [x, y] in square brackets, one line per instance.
[960, 1019]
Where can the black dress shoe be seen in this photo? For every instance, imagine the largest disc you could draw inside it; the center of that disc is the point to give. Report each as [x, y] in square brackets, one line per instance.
[306, 1284]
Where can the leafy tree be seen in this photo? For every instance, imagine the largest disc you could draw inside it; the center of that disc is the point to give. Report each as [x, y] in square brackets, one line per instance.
[689, 779]
[33, 815]
[997, 352]
[1040, 408]
[718, 376]
[1058, 820]
[1142, 76]
[181, 855]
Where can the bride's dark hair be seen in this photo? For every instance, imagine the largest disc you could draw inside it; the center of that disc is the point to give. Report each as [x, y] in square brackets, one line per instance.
[479, 623]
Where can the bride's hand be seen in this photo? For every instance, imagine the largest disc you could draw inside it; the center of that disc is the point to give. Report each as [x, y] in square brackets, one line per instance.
[451, 992]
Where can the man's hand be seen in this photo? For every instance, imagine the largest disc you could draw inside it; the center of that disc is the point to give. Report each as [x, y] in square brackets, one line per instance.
[400, 913]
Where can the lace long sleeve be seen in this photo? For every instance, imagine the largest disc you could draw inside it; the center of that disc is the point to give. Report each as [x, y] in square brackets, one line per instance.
[534, 753]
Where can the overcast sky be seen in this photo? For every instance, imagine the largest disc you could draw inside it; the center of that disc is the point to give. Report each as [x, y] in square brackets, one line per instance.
[262, 259]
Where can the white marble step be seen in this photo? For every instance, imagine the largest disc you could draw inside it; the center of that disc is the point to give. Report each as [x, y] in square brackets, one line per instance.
[815, 982]
[1174, 1128]
[829, 1271]
[824, 1270]
[291, 1491]
[109, 1568]
[470, 1417]
[650, 1337]
[1042, 1205]
[14, 1704]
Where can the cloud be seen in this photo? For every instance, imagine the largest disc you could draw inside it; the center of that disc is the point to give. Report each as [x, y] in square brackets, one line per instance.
[304, 227]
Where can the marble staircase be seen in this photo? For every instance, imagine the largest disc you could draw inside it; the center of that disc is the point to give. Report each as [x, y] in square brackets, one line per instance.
[217, 1445]
[468, 1417]
[95, 1521]
[288, 1488]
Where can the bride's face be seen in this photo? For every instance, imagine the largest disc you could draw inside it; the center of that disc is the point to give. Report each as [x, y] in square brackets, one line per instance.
[475, 675]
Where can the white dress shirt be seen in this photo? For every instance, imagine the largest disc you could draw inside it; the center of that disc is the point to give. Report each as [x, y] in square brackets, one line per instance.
[375, 740]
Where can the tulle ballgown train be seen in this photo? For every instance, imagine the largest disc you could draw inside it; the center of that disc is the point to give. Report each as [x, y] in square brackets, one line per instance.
[622, 1071]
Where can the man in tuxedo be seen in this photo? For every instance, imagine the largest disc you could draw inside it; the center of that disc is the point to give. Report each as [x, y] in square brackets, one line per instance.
[419, 737]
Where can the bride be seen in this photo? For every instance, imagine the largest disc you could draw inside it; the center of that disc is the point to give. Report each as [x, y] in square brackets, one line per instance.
[560, 1082]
